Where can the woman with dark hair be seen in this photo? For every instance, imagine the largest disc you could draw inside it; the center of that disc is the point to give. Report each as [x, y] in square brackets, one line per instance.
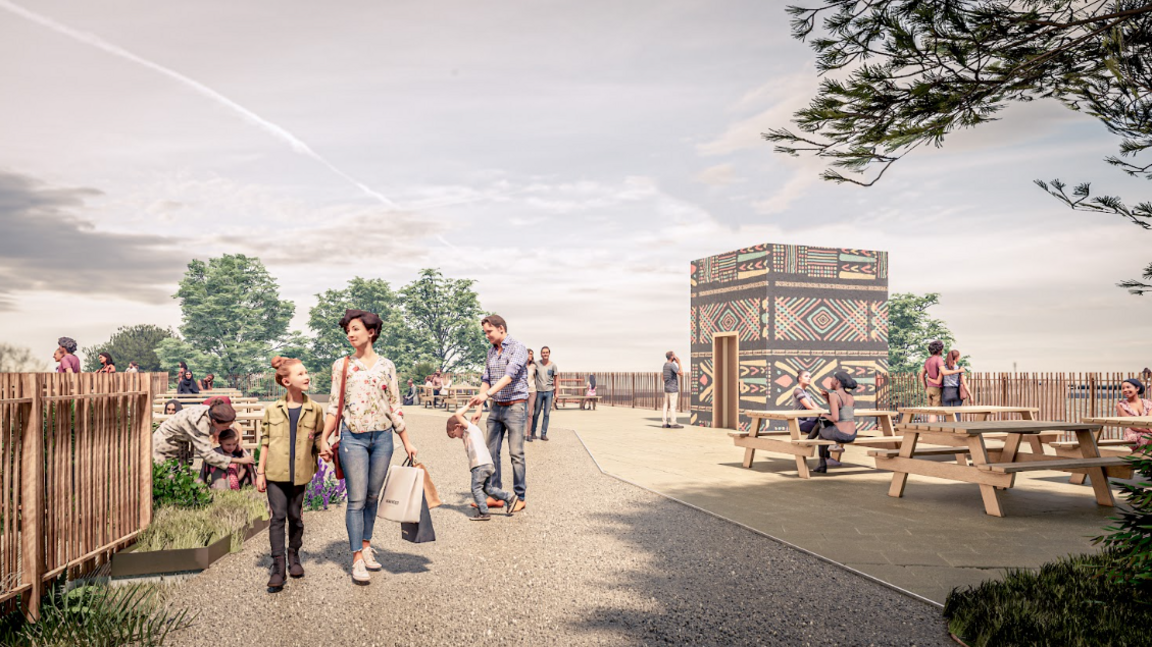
[841, 414]
[531, 368]
[1132, 405]
[371, 413]
[953, 379]
[66, 355]
[187, 384]
[107, 364]
[207, 383]
[172, 407]
[803, 400]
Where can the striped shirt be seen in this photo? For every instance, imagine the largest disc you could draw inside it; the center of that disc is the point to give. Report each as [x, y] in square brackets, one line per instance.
[511, 359]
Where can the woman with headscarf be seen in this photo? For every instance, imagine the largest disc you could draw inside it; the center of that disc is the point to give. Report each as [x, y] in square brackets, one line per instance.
[841, 416]
[172, 407]
[1133, 404]
[66, 355]
[187, 383]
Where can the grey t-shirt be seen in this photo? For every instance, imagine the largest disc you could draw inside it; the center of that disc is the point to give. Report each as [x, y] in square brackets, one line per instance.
[671, 377]
[546, 376]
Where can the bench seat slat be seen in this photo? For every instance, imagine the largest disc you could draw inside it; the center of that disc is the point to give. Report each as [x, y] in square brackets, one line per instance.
[1061, 464]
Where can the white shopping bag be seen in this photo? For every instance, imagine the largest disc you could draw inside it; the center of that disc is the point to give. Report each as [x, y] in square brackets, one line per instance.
[403, 494]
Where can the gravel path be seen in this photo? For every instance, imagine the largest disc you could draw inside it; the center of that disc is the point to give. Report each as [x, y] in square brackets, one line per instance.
[592, 561]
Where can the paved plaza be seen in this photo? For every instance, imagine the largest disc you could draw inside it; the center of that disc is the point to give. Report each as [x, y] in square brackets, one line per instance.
[593, 561]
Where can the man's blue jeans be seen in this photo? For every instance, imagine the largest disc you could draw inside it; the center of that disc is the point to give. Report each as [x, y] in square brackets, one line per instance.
[543, 404]
[508, 421]
[364, 457]
[482, 488]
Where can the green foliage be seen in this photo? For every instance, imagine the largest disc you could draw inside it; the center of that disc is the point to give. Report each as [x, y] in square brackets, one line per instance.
[20, 359]
[417, 373]
[132, 343]
[171, 352]
[98, 616]
[910, 329]
[911, 73]
[1131, 537]
[228, 513]
[177, 485]
[232, 309]
[443, 322]
[1064, 603]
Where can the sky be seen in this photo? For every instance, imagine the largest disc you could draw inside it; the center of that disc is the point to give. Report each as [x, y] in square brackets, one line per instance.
[571, 158]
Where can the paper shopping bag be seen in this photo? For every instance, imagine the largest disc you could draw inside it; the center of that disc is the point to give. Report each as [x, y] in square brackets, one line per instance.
[403, 494]
[429, 489]
[422, 531]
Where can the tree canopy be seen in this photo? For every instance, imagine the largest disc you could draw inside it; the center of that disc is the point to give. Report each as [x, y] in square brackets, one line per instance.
[131, 343]
[330, 343]
[441, 318]
[911, 328]
[232, 310]
[900, 74]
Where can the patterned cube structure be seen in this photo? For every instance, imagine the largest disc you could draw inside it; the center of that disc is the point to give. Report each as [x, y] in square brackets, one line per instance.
[791, 307]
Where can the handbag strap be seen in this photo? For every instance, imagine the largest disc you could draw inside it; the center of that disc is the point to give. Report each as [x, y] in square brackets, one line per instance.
[343, 385]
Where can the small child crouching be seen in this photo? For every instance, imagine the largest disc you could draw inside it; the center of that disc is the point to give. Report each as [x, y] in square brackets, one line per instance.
[236, 475]
[483, 469]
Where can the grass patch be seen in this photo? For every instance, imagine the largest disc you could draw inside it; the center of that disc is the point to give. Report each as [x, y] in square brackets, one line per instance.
[1067, 602]
[228, 513]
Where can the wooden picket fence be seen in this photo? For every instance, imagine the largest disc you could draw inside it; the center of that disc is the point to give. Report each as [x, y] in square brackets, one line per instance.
[76, 481]
[635, 390]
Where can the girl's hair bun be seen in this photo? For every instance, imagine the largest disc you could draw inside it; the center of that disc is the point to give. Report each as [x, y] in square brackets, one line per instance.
[277, 361]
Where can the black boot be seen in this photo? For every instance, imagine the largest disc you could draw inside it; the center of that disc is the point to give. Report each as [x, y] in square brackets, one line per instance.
[294, 567]
[276, 581]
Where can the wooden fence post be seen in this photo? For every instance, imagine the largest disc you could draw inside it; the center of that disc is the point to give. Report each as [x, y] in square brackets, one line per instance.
[633, 390]
[1092, 394]
[145, 456]
[32, 498]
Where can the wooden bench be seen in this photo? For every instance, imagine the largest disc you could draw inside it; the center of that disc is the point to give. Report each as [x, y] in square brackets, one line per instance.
[793, 443]
[572, 389]
[1114, 466]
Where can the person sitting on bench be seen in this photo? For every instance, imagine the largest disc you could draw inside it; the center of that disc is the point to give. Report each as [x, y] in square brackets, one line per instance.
[841, 417]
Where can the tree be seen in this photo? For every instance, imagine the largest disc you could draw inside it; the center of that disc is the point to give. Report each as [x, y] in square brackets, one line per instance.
[914, 72]
[170, 352]
[20, 359]
[131, 343]
[442, 322]
[232, 310]
[910, 329]
[330, 343]
[1131, 536]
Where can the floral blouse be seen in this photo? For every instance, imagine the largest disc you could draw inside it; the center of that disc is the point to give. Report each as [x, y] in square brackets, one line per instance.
[372, 397]
[1138, 435]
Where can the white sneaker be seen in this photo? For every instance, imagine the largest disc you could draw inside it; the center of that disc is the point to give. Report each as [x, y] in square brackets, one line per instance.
[370, 559]
[360, 573]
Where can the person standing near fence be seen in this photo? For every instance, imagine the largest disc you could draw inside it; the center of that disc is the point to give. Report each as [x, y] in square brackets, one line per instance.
[66, 355]
[505, 382]
[531, 368]
[953, 395]
[546, 373]
[107, 364]
[671, 377]
[371, 414]
[931, 377]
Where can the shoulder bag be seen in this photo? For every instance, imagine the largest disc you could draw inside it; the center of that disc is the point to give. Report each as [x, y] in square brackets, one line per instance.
[965, 394]
[339, 418]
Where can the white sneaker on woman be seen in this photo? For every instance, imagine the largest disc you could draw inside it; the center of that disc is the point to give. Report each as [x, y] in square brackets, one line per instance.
[370, 559]
[359, 573]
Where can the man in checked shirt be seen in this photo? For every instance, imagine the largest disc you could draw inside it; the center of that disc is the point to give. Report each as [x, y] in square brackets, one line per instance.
[505, 382]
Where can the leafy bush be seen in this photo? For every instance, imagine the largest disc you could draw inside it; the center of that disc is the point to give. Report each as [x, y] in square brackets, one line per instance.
[1065, 603]
[176, 484]
[324, 489]
[229, 513]
[1131, 537]
[97, 616]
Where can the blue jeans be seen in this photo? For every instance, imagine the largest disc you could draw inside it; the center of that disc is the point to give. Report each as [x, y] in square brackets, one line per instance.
[508, 420]
[364, 457]
[482, 488]
[543, 404]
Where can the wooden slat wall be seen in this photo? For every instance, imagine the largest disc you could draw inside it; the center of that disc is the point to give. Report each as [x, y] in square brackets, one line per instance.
[636, 390]
[76, 449]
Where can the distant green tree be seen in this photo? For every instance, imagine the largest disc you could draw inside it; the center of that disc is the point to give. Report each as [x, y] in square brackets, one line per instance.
[330, 341]
[417, 373]
[232, 310]
[911, 328]
[131, 343]
[20, 359]
[441, 319]
[902, 74]
[170, 352]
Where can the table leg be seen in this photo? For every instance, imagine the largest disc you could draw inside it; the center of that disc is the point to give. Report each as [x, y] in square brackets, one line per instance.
[900, 479]
[1078, 479]
[905, 417]
[750, 453]
[1037, 446]
[801, 461]
[980, 457]
[886, 427]
[1096, 475]
[1011, 448]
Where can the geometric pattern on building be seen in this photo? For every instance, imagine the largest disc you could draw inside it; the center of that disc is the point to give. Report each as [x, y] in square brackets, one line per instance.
[793, 307]
[822, 319]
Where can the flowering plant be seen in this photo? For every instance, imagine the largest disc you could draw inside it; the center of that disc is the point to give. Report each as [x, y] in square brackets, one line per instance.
[324, 490]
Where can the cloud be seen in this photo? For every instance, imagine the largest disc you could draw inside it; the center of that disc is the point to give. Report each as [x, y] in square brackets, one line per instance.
[719, 175]
[47, 247]
[784, 95]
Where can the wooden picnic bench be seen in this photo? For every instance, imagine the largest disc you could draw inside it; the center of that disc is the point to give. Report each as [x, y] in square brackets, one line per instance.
[793, 443]
[572, 389]
[1108, 446]
[993, 470]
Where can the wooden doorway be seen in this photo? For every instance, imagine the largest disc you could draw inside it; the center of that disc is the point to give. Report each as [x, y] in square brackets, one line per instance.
[726, 385]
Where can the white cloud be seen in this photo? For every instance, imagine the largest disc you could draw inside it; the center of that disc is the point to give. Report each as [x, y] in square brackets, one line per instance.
[720, 175]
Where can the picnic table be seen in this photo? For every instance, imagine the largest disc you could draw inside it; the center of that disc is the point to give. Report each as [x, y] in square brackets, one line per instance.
[793, 443]
[573, 389]
[991, 469]
[1108, 446]
[977, 413]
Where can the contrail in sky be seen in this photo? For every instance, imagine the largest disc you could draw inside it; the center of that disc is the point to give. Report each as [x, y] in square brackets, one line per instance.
[253, 118]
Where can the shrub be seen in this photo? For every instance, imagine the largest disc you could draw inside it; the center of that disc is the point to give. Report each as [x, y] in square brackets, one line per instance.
[97, 616]
[324, 489]
[229, 513]
[1131, 537]
[1063, 603]
[176, 484]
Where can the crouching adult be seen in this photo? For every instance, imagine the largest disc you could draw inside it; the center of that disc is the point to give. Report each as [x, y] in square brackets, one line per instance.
[197, 425]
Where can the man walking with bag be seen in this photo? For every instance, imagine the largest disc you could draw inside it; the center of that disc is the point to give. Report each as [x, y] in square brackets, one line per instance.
[505, 382]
